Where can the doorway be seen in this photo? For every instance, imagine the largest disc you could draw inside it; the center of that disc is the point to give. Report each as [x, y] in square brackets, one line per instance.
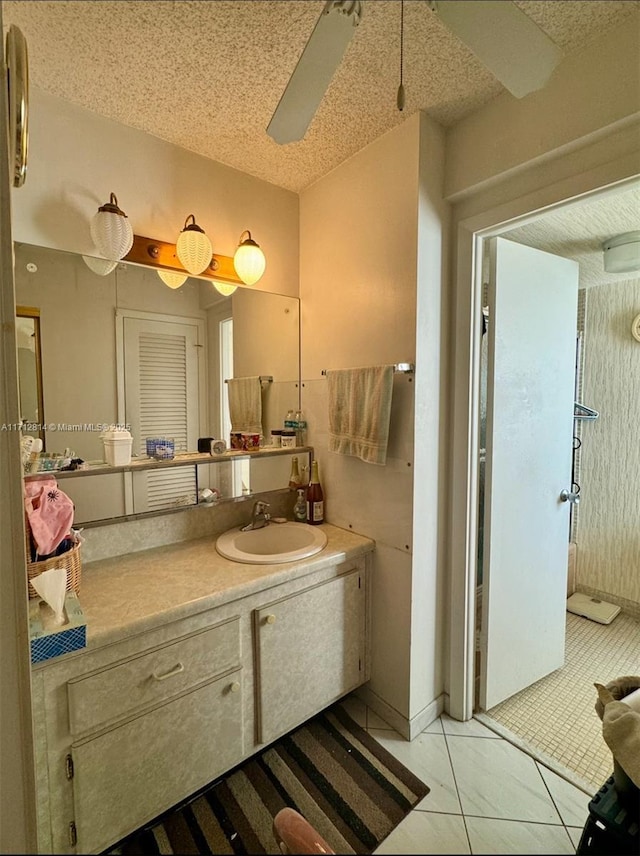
[555, 715]
[473, 229]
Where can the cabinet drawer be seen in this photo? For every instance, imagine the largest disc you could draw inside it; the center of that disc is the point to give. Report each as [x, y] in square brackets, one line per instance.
[115, 692]
[127, 776]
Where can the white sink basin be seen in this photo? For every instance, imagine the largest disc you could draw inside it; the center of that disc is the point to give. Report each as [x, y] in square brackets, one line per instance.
[273, 544]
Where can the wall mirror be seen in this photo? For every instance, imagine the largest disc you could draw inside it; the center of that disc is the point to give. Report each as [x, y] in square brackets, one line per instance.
[124, 348]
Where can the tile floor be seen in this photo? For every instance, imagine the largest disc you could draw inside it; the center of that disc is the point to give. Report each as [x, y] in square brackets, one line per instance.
[487, 796]
[556, 715]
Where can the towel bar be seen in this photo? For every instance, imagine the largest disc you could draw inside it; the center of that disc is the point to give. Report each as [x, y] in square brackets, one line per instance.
[405, 368]
[263, 379]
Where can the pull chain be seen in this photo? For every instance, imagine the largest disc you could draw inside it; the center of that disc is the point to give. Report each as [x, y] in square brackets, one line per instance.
[400, 96]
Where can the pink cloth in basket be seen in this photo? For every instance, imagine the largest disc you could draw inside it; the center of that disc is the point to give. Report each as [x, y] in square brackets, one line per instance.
[49, 512]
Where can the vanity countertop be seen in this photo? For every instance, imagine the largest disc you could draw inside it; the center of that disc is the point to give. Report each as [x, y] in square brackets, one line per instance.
[125, 595]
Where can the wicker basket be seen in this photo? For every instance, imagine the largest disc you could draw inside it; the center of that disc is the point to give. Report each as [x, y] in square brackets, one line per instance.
[69, 560]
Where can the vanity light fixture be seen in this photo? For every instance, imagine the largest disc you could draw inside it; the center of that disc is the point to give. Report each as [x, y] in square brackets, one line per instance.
[249, 260]
[173, 280]
[622, 253]
[193, 248]
[102, 267]
[224, 288]
[111, 230]
[163, 257]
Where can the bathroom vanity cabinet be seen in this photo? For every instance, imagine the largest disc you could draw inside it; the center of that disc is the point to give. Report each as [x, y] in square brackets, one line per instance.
[164, 700]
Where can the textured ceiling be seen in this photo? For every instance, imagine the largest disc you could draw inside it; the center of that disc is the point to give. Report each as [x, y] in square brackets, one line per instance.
[207, 76]
[578, 231]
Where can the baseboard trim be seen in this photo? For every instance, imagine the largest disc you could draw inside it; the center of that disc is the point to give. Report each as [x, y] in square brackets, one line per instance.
[407, 728]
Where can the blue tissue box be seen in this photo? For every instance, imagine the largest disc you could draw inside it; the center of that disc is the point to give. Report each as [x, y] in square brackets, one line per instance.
[54, 641]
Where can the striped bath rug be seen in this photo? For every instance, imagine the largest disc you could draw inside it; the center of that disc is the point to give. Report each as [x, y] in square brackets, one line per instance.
[347, 786]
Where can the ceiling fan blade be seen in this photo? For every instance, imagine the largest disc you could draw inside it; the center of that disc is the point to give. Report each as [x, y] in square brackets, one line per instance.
[504, 39]
[312, 75]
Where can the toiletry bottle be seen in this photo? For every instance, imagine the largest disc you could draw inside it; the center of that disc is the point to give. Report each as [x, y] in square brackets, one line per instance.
[301, 429]
[315, 497]
[294, 479]
[300, 508]
[290, 420]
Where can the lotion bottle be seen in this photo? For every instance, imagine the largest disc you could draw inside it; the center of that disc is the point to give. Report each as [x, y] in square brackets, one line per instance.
[300, 508]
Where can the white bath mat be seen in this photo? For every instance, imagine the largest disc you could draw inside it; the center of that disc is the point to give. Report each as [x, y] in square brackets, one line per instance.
[592, 607]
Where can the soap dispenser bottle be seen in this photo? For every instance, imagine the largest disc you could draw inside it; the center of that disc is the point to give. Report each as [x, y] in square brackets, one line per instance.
[300, 508]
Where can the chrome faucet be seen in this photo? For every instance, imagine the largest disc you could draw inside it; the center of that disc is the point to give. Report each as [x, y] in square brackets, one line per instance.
[259, 516]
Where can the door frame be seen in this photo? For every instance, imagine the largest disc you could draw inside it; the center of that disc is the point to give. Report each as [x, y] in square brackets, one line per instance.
[486, 215]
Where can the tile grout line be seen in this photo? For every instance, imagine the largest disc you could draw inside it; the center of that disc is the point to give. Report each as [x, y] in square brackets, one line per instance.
[455, 782]
[547, 789]
[540, 757]
[544, 782]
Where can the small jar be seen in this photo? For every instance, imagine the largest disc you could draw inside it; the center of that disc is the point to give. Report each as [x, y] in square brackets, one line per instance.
[236, 440]
[250, 441]
[276, 437]
[288, 439]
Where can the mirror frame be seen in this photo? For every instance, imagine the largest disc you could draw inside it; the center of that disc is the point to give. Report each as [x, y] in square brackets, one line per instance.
[34, 313]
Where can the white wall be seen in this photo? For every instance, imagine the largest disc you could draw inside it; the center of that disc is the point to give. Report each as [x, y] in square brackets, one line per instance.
[371, 247]
[432, 430]
[77, 158]
[592, 89]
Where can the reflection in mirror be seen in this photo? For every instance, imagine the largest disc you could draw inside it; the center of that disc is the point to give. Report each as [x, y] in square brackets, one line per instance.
[29, 370]
[123, 348]
[103, 497]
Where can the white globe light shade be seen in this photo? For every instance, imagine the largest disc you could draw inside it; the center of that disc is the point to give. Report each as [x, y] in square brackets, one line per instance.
[193, 248]
[100, 266]
[173, 280]
[224, 288]
[111, 230]
[249, 260]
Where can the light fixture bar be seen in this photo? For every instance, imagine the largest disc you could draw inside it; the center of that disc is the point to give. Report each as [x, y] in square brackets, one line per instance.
[162, 255]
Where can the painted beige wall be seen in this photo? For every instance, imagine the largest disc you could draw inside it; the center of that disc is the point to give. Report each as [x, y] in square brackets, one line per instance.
[371, 248]
[608, 536]
[432, 427]
[590, 90]
[77, 158]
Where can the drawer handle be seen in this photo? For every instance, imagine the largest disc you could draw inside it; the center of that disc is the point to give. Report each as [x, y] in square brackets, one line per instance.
[175, 671]
[270, 619]
[235, 687]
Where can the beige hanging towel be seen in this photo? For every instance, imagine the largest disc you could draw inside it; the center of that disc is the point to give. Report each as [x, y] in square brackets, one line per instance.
[245, 404]
[359, 412]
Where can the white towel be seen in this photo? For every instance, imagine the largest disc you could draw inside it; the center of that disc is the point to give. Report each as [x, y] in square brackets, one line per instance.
[359, 412]
[245, 404]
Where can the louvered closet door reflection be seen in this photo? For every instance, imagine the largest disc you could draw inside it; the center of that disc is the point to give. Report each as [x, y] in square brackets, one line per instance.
[161, 400]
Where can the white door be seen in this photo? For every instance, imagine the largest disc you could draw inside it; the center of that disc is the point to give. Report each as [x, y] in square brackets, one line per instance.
[161, 399]
[530, 399]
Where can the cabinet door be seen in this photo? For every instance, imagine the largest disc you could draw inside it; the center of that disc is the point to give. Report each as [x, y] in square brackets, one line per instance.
[129, 775]
[310, 651]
